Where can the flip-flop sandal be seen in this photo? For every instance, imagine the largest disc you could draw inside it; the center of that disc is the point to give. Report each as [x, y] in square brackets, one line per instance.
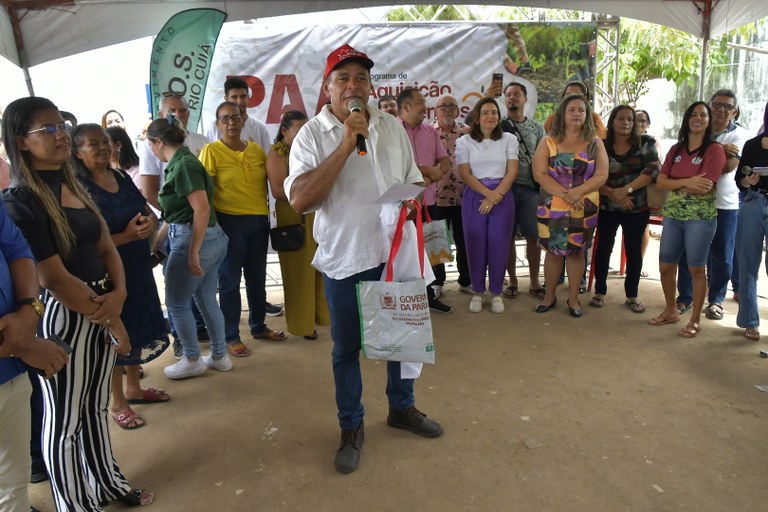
[128, 419]
[662, 320]
[752, 334]
[689, 331]
[539, 292]
[714, 312]
[270, 335]
[137, 498]
[238, 349]
[682, 307]
[313, 336]
[634, 306]
[150, 396]
[643, 273]
[596, 302]
[510, 292]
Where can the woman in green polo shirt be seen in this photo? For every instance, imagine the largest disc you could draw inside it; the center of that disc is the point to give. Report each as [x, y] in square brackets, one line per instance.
[198, 246]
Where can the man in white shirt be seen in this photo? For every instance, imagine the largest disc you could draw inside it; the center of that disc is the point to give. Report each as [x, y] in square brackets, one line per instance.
[328, 176]
[237, 91]
[720, 259]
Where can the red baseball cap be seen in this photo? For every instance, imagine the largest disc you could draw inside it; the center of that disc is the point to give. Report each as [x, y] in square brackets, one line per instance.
[343, 54]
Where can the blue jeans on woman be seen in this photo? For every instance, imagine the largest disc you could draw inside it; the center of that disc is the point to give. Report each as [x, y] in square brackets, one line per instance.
[246, 256]
[719, 261]
[181, 286]
[751, 233]
[345, 331]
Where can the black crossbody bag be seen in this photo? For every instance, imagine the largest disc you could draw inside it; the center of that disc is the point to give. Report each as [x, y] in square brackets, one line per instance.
[288, 238]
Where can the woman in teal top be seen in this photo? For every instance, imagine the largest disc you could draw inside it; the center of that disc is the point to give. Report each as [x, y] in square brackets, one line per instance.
[198, 246]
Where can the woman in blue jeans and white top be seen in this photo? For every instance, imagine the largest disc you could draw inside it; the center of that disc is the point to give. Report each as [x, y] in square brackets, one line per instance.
[198, 246]
[690, 172]
[487, 160]
[752, 229]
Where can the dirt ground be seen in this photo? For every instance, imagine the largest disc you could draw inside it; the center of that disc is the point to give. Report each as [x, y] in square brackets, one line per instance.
[541, 413]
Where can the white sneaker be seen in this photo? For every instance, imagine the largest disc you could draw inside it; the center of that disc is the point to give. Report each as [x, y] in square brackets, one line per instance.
[497, 305]
[476, 304]
[438, 289]
[467, 289]
[185, 368]
[223, 365]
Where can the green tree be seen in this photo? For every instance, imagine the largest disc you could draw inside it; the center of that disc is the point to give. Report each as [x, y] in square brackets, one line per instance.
[648, 51]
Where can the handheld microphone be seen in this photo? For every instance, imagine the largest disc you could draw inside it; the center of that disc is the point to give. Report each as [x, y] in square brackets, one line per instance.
[357, 106]
[746, 170]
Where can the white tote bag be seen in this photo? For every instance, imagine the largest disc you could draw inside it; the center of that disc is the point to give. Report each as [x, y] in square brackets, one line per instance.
[394, 316]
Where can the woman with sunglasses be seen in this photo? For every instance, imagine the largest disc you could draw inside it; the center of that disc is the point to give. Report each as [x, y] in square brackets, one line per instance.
[240, 200]
[305, 304]
[198, 246]
[83, 291]
[131, 223]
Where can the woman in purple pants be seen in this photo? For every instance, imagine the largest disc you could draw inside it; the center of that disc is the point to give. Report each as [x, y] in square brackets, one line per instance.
[487, 160]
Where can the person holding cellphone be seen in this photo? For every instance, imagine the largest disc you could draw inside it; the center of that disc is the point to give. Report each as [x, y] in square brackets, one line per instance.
[83, 291]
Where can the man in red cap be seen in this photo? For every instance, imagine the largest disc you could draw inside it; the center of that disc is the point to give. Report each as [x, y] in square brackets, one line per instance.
[331, 176]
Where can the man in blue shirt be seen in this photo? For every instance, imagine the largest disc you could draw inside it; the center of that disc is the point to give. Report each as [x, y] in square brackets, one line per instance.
[20, 311]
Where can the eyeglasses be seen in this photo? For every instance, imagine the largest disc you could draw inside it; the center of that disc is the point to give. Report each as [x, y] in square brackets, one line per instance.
[716, 105]
[51, 129]
[230, 119]
[168, 94]
[448, 108]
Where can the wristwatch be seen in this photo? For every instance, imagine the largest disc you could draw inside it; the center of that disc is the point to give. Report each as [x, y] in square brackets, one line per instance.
[34, 302]
[630, 190]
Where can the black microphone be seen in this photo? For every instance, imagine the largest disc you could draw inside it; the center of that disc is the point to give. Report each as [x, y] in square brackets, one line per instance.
[746, 170]
[357, 106]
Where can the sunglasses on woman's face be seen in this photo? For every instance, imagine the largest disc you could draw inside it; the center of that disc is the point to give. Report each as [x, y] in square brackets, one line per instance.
[52, 129]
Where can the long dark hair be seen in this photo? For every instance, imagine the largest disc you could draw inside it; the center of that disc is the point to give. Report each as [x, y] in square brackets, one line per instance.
[474, 130]
[634, 137]
[683, 136]
[287, 120]
[127, 157]
[18, 118]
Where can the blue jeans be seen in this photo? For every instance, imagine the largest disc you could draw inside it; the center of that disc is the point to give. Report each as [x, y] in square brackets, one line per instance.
[751, 232]
[246, 256]
[719, 261]
[181, 285]
[345, 331]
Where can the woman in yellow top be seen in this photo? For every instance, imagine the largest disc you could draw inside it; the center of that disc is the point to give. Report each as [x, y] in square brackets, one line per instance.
[240, 201]
[305, 304]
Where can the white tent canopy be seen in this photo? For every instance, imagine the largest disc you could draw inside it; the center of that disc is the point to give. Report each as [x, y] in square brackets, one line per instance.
[51, 29]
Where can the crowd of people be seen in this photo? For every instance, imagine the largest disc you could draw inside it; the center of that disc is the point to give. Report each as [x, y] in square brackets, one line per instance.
[86, 218]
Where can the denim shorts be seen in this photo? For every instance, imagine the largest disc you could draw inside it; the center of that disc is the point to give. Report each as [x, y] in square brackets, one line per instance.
[526, 204]
[695, 236]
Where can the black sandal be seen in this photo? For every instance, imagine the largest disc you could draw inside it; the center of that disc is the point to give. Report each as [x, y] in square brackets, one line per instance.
[137, 498]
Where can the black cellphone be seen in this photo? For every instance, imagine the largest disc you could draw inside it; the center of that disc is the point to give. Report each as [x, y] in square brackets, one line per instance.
[497, 78]
[60, 342]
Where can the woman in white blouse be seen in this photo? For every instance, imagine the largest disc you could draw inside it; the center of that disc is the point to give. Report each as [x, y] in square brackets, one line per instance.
[487, 160]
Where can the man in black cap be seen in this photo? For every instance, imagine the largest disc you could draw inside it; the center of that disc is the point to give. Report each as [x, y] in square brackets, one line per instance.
[330, 176]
